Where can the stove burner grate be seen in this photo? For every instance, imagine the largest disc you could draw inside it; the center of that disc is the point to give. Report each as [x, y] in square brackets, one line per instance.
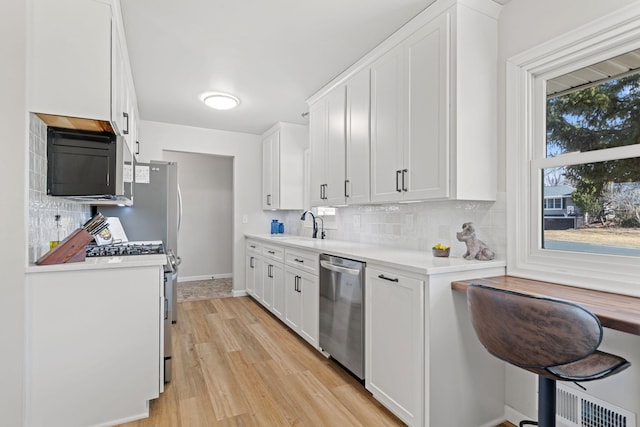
[125, 249]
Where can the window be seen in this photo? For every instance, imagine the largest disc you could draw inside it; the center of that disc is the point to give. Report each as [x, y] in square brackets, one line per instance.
[576, 139]
[553, 204]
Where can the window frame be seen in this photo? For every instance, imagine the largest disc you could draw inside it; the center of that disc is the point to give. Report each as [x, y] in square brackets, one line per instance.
[525, 112]
[554, 199]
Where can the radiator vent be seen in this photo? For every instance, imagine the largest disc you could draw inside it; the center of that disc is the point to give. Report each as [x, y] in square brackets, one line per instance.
[577, 409]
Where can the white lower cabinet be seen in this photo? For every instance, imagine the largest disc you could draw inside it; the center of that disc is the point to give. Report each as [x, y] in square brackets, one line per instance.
[394, 342]
[423, 361]
[253, 269]
[301, 304]
[273, 287]
[273, 279]
[94, 343]
[285, 281]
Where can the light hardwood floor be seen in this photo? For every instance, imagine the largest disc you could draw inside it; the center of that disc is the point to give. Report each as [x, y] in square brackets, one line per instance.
[236, 365]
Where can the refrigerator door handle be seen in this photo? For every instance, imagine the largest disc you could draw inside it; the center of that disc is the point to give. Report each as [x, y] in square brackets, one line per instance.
[179, 208]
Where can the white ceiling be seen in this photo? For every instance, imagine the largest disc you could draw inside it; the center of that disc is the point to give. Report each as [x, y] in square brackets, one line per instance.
[271, 54]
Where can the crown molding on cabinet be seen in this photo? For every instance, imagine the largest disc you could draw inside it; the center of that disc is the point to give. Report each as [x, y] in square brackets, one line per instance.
[486, 7]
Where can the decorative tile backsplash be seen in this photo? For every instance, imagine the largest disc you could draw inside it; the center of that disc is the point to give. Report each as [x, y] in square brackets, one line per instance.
[42, 208]
[417, 226]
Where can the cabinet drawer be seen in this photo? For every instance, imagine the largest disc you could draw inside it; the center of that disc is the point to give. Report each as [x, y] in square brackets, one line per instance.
[303, 260]
[254, 247]
[273, 252]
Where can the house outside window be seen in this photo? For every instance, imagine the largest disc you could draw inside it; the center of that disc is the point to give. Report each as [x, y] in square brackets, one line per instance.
[558, 133]
[554, 203]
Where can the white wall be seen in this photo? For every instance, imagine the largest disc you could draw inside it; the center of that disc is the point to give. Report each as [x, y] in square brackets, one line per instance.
[524, 24]
[206, 236]
[13, 122]
[245, 149]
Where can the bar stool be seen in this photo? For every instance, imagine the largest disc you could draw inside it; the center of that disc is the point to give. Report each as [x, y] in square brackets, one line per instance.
[557, 340]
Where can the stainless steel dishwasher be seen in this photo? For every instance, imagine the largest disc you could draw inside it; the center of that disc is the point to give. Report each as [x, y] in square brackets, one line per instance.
[342, 311]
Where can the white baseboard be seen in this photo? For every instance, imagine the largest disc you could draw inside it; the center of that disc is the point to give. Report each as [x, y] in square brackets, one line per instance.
[514, 417]
[495, 422]
[204, 277]
[240, 293]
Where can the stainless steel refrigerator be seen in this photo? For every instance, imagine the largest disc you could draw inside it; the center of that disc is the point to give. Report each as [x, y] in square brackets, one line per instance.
[156, 214]
[156, 211]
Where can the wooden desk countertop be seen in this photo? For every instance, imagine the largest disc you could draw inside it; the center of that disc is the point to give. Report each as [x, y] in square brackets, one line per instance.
[615, 311]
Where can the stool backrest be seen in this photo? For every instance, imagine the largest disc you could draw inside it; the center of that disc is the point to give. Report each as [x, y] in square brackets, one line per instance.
[530, 331]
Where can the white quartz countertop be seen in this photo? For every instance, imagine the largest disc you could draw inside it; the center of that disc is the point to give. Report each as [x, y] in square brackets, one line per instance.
[421, 262]
[101, 263]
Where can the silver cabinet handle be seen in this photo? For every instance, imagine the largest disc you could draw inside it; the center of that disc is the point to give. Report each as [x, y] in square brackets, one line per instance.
[382, 276]
[251, 260]
[346, 185]
[398, 181]
[299, 260]
[271, 252]
[339, 269]
[268, 199]
[126, 117]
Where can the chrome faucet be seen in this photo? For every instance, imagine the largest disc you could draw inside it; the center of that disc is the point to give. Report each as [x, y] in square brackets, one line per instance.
[315, 224]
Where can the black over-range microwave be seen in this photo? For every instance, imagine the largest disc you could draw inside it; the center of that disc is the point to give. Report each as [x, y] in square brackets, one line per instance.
[85, 163]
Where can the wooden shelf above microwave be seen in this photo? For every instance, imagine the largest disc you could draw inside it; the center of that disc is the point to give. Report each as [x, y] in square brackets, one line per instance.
[75, 123]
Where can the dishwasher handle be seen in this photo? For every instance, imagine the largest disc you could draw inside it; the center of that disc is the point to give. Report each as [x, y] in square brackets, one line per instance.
[339, 268]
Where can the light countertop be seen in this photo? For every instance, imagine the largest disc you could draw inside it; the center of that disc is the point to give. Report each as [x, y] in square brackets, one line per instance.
[420, 262]
[101, 263]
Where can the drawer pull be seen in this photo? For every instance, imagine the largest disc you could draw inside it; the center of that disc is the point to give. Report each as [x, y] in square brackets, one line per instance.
[252, 246]
[299, 260]
[271, 252]
[382, 276]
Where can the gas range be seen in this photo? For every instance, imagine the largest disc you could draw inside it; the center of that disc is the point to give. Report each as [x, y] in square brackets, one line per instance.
[127, 248]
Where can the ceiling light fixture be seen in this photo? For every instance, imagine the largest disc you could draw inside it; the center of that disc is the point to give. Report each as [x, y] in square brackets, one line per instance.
[220, 101]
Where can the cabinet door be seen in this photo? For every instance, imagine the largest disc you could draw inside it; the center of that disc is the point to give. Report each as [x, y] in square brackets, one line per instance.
[309, 322]
[267, 284]
[358, 141]
[70, 58]
[302, 303]
[386, 127]
[270, 192]
[250, 274]
[293, 299]
[394, 342]
[277, 273]
[118, 83]
[258, 283]
[334, 192]
[318, 151]
[426, 140]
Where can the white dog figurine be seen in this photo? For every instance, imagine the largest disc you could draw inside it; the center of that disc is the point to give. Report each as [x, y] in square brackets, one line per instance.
[476, 248]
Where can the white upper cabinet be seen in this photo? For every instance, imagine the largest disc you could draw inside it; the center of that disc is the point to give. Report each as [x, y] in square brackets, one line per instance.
[79, 66]
[283, 166]
[357, 132]
[386, 127]
[318, 151]
[69, 67]
[339, 131]
[271, 171]
[433, 109]
[409, 109]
